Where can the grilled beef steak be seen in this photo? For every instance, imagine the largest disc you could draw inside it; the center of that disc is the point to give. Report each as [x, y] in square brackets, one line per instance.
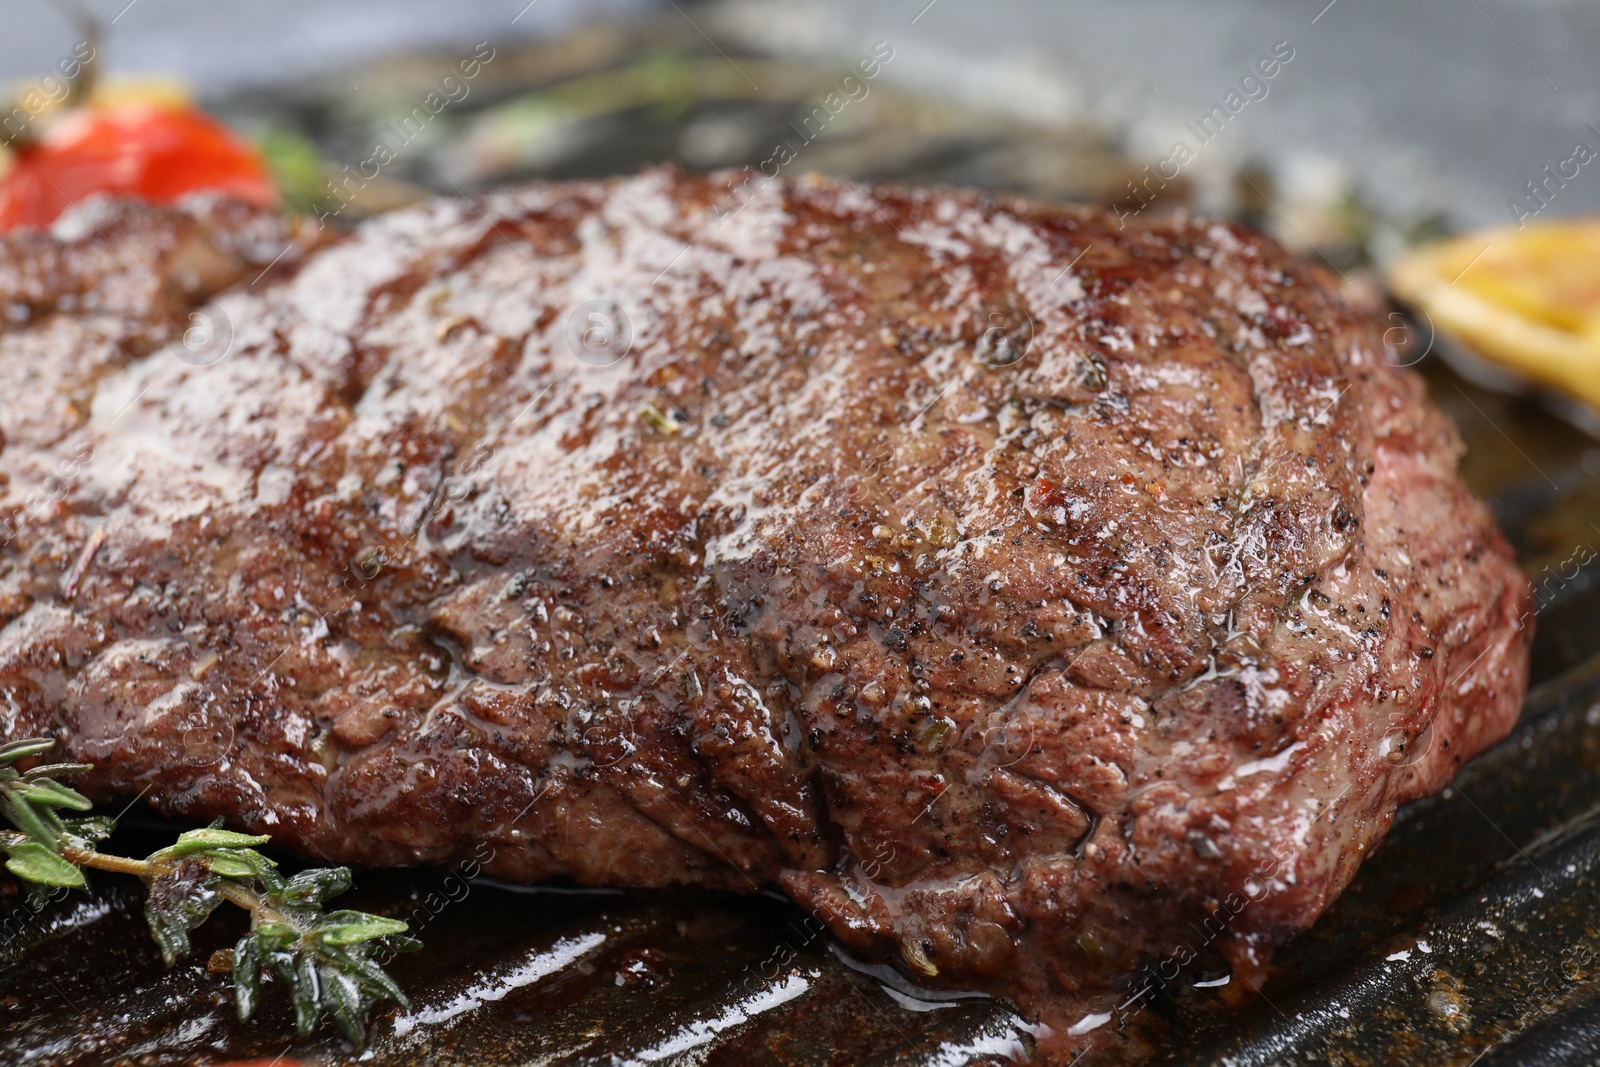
[1030, 597]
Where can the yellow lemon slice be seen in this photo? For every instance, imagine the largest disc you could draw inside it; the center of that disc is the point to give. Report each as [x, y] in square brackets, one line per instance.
[1528, 299]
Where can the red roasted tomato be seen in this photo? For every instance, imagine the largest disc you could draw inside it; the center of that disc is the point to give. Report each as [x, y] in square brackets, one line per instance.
[154, 152]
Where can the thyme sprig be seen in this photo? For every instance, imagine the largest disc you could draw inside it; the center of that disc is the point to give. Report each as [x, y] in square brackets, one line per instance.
[325, 959]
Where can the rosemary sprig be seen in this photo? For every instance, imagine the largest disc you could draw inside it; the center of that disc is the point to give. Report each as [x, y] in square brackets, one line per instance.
[324, 958]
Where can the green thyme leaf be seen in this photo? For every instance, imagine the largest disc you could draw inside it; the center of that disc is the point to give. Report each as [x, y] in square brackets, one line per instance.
[192, 841]
[42, 826]
[343, 999]
[376, 981]
[314, 887]
[307, 994]
[266, 870]
[52, 794]
[33, 862]
[86, 833]
[172, 938]
[31, 746]
[274, 937]
[179, 901]
[401, 943]
[228, 864]
[52, 770]
[246, 977]
[349, 927]
[282, 965]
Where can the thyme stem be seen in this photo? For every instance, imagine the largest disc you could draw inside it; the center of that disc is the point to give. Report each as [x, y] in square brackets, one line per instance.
[102, 861]
[260, 908]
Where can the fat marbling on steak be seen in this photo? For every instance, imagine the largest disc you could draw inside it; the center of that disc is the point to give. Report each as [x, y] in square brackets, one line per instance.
[1020, 592]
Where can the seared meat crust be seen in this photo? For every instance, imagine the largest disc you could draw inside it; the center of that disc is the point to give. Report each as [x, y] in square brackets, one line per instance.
[1021, 593]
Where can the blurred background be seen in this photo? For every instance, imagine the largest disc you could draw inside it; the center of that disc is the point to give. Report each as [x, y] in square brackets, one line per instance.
[1388, 119]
